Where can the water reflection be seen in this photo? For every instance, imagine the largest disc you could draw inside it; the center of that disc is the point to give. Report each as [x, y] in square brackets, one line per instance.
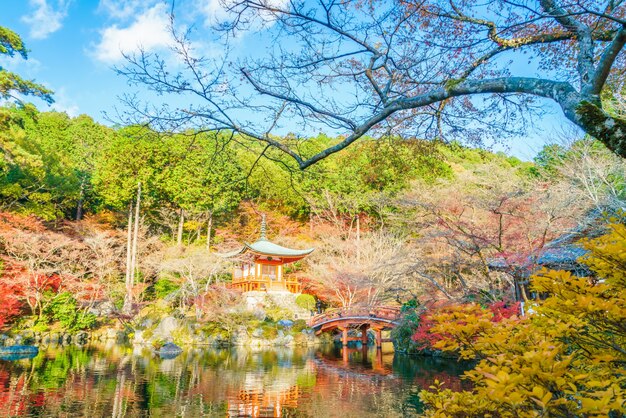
[118, 382]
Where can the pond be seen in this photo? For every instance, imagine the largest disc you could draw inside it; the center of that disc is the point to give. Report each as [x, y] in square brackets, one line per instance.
[118, 381]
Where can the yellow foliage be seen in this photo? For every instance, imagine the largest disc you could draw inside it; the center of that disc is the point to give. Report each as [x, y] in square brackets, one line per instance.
[568, 359]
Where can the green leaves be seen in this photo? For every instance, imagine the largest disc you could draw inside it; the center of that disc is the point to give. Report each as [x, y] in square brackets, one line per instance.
[64, 308]
[10, 43]
[47, 162]
[11, 83]
[566, 360]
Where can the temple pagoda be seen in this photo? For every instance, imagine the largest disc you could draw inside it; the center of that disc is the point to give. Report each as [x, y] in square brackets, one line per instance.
[259, 265]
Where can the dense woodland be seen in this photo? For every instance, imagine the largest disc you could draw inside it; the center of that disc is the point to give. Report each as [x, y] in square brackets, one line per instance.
[392, 219]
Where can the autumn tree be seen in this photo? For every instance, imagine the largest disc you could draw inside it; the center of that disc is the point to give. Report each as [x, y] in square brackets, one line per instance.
[565, 360]
[194, 270]
[105, 258]
[45, 263]
[588, 170]
[491, 214]
[367, 272]
[430, 69]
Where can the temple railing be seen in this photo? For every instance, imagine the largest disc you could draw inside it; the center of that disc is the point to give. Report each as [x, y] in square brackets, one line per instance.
[265, 283]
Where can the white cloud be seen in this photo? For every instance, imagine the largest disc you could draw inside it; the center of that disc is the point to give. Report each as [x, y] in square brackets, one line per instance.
[216, 11]
[63, 103]
[46, 19]
[121, 9]
[149, 31]
[213, 11]
[26, 68]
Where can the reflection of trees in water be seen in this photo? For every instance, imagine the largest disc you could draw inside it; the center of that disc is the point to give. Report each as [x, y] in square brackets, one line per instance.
[117, 382]
[424, 370]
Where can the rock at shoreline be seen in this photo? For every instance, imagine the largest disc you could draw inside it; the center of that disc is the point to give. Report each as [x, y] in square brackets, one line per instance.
[169, 351]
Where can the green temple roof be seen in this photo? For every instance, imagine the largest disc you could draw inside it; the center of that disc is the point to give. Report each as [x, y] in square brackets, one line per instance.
[267, 248]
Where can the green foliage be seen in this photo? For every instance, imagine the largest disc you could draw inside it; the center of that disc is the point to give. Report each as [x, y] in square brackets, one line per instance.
[227, 324]
[298, 326]
[164, 287]
[275, 313]
[270, 331]
[64, 308]
[566, 360]
[306, 301]
[403, 333]
[54, 165]
[11, 83]
[11, 42]
[46, 163]
[409, 306]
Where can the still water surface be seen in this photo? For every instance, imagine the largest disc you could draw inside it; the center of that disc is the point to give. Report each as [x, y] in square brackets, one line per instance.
[119, 382]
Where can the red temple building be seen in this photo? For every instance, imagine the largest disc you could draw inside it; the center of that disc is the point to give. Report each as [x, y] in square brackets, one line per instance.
[260, 265]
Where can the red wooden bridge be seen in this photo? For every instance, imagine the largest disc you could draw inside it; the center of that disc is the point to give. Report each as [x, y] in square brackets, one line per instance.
[361, 318]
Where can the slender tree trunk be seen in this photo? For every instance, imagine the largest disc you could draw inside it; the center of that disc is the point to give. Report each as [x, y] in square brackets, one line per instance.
[135, 237]
[81, 200]
[128, 298]
[181, 223]
[209, 226]
[358, 238]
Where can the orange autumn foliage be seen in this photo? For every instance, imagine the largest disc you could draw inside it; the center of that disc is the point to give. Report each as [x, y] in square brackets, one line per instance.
[567, 359]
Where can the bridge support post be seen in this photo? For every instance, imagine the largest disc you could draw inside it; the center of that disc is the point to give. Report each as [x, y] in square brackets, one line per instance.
[364, 339]
[379, 338]
[344, 337]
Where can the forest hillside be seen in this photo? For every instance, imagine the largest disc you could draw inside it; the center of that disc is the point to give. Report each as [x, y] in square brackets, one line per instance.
[392, 220]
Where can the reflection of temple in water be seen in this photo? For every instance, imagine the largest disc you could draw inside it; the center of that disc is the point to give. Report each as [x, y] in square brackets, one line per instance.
[268, 403]
[328, 376]
[263, 395]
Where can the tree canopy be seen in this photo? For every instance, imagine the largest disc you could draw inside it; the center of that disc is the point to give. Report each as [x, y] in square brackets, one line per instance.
[431, 69]
[11, 83]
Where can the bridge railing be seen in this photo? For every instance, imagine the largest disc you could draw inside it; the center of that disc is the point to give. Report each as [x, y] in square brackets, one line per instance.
[389, 313]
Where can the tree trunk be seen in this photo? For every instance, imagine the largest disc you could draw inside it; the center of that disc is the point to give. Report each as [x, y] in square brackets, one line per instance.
[181, 223]
[135, 237]
[607, 129]
[128, 298]
[209, 226]
[358, 238]
[81, 200]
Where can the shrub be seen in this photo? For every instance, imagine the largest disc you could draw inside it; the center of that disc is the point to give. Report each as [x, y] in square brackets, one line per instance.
[299, 325]
[64, 308]
[10, 306]
[275, 313]
[403, 333]
[164, 287]
[269, 331]
[566, 360]
[425, 338]
[306, 301]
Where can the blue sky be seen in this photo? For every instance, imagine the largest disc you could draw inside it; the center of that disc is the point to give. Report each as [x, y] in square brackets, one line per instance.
[74, 45]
